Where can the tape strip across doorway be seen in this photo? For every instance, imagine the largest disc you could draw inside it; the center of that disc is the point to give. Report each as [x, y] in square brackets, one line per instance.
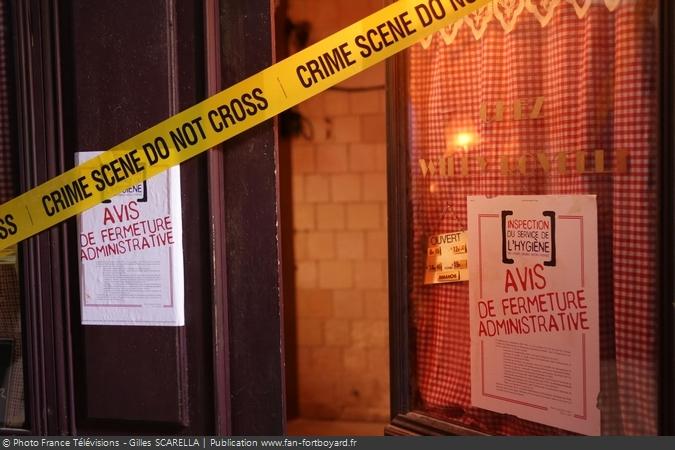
[228, 113]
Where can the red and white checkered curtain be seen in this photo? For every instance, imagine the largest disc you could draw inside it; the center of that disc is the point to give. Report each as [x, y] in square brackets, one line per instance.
[598, 76]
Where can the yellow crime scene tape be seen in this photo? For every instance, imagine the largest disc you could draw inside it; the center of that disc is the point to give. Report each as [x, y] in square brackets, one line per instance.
[228, 113]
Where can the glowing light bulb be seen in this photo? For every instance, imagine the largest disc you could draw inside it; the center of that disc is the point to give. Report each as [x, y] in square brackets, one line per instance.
[464, 139]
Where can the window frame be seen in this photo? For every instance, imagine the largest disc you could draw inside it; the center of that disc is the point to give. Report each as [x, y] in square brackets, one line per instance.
[405, 419]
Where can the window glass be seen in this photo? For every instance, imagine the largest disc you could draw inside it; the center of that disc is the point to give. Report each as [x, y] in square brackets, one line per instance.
[534, 97]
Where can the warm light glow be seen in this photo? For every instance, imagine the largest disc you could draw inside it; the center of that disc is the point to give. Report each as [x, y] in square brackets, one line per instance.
[464, 139]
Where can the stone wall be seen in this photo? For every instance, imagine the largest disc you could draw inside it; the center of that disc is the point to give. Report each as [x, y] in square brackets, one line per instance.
[340, 236]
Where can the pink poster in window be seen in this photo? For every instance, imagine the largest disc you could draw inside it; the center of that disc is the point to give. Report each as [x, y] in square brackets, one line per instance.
[533, 266]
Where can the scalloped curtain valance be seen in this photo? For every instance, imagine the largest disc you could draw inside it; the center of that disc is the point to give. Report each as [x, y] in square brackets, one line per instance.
[508, 11]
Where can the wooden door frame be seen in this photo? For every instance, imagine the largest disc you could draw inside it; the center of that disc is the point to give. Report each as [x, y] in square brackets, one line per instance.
[250, 195]
[242, 197]
[46, 316]
[666, 282]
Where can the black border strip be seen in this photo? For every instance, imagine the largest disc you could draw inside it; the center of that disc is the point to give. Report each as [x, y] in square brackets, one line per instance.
[667, 274]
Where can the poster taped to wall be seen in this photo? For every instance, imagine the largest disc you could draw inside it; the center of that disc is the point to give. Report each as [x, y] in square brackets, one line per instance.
[131, 255]
[533, 266]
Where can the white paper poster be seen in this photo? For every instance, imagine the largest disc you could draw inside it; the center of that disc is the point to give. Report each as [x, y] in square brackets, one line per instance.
[533, 265]
[446, 258]
[131, 255]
